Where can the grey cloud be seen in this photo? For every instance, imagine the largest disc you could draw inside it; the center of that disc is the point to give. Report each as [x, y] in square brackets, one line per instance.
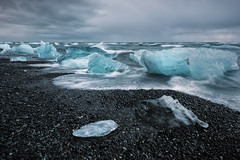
[133, 20]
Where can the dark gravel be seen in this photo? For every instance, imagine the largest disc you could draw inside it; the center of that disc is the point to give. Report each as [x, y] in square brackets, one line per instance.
[37, 119]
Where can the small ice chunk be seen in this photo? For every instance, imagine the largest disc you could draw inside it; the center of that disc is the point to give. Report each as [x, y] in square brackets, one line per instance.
[4, 48]
[101, 64]
[167, 112]
[14, 59]
[97, 129]
[23, 49]
[47, 51]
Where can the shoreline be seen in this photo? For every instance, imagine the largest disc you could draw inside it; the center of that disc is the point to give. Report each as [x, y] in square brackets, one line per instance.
[38, 118]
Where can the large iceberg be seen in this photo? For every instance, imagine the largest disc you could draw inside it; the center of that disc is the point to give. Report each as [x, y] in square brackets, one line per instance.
[4, 48]
[97, 129]
[198, 63]
[167, 112]
[23, 49]
[47, 51]
[101, 64]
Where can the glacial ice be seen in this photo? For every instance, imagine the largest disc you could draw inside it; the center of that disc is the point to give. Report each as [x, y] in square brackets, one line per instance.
[73, 53]
[167, 112]
[101, 64]
[78, 63]
[23, 49]
[14, 59]
[198, 63]
[137, 56]
[97, 129]
[5, 48]
[47, 51]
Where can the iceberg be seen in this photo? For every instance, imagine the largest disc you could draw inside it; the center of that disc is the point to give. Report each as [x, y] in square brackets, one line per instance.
[20, 59]
[167, 112]
[23, 49]
[73, 53]
[47, 51]
[97, 129]
[198, 63]
[4, 48]
[101, 64]
[78, 63]
[137, 56]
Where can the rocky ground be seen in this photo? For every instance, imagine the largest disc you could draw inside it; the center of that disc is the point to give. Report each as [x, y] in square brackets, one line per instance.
[37, 120]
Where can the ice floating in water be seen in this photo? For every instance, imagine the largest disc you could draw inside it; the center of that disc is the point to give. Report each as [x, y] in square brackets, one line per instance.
[78, 63]
[137, 56]
[74, 44]
[167, 112]
[197, 63]
[5, 48]
[47, 51]
[56, 43]
[23, 49]
[73, 53]
[14, 59]
[172, 45]
[101, 46]
[97, 129]
[101, 64]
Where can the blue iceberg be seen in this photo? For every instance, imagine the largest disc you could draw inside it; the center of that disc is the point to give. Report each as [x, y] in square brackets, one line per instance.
[78, 63]
[47, 51]
[97, 129]
[198, 63]
[4, 48]
[73, 53]
[101, 64]
[23, 49]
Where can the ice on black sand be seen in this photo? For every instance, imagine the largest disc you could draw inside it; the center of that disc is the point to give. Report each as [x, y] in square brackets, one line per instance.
[167, 112]
[97, 129]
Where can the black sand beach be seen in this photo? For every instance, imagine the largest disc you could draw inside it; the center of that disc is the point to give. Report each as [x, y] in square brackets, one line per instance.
[37, 119]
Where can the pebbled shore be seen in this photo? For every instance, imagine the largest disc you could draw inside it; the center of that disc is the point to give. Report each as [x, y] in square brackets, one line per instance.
[37, 119]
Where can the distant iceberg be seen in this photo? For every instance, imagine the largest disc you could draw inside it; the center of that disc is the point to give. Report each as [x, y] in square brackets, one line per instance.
[47, 51]
[73, 53]
[5, 48]
[23, 49]
[101, 64]
[20, 59]
[199, 63]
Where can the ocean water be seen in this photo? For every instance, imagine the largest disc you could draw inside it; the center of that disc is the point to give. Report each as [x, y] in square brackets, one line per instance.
[223, 89]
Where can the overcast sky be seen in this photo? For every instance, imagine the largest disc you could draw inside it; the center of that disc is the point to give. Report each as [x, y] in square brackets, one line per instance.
[120, 20]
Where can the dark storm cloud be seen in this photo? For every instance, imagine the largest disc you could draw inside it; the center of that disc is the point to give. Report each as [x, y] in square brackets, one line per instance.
[118, 20]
